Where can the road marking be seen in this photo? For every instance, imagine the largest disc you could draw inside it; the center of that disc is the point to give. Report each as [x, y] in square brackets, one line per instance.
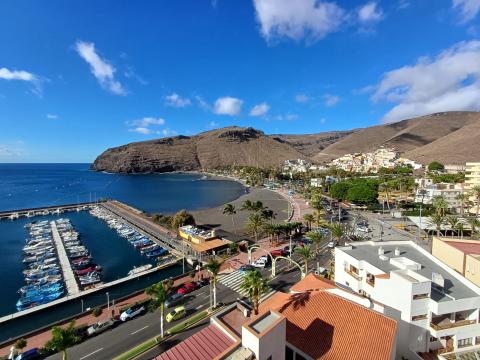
[203, 292]
[136, 331]
[199, 307]
[91, 353]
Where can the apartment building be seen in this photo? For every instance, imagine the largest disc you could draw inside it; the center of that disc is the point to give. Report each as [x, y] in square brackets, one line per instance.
[462, 255]
[426, 193]
[472, 175]
[437, 309]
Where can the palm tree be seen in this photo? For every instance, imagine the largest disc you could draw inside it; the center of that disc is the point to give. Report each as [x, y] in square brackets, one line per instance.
[267, 214]
[474, 223]
[159, 294]
[463, 199]
[62, 339]
[213, 268]
[452, 220]
[254, 224]
[317, 239]
[440, 204]
[309, 219]
[252, 206]
[229, 210]
[460, 226]
[306, 254]
[385, 187]
[20, 344]
[476, 195]
[437, 220]
[255, 286]
[337, 231]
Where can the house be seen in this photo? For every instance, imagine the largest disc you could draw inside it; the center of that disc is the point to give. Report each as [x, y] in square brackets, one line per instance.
[202, 241]
[437, 309]
[316, 182]
[461, 255]
[315, 320]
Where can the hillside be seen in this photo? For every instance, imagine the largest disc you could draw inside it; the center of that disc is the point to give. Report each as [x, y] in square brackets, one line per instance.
[452, 138]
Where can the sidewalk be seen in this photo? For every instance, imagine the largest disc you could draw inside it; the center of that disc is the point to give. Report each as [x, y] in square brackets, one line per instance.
[39, 340]
[300, 205]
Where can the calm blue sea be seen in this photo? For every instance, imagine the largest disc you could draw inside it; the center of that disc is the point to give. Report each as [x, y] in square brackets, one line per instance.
[37, 185]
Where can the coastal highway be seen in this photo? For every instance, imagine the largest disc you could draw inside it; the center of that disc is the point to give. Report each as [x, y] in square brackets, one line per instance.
[127, 335]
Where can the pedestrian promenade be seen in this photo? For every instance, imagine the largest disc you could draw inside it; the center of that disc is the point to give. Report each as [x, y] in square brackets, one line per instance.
[68, 275]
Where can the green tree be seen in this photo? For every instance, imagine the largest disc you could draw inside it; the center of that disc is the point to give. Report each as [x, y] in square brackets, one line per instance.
[463, 199]
[255, 224]
[452, 221]
[436, 166]
[474, 223]
[267, 214]
[159, 293]
[309, 219]
[306, 254]
[339, 190]
[337, 231]
[96, 312]
[213, 267]
[438, 220]
[362, 193]
[62, 339]
[182, 218]
[229, 210]
[317, 239]
[476, 195]
[255, 286]
[20, 344]
[460, 227]
[252, 206]
[440, 204]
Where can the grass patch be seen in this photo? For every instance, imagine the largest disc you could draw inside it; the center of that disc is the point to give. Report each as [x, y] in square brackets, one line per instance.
[132, 353]
[184, 324]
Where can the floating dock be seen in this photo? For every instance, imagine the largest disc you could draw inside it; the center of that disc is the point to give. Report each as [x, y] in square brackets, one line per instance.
[68, 275]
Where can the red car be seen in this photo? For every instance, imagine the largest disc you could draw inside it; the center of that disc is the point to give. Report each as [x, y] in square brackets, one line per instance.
[278, 252]
[187, 288]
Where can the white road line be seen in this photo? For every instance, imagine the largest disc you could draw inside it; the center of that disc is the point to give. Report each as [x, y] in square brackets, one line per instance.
[136, 331]
[203, 292]
[91, 353]
[199, 307]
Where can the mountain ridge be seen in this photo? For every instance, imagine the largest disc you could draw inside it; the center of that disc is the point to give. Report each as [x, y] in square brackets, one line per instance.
[449, 137]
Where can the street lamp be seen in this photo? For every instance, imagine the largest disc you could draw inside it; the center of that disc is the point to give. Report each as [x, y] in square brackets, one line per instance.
[108, 302]
[422, 192]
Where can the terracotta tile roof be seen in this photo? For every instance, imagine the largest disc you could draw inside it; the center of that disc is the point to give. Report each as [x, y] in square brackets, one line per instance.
[206, 344]
[465, 247]
[327, 326]
[312, 282]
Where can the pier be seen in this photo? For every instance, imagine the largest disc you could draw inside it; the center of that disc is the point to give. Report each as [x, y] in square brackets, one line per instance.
[68, 275]
[46, 210]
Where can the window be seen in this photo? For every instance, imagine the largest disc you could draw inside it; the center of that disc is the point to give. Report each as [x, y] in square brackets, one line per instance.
[464, 342]
[420, 296]
[419, 317]
[299, 357]
[288, 353]
[433, 339]
[370, 279]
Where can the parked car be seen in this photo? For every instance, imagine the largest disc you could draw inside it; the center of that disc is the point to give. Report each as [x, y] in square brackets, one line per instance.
[187, 288]
[260, 263]
[174, 300]
[100, 327]
[278, 252]
[32, 354]
[176, 314]
[246, 268]
[132, 312]
[203, 282]
[332, 244]
[362, 228]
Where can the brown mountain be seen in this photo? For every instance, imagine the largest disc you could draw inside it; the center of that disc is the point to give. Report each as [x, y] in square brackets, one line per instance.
[451, 137]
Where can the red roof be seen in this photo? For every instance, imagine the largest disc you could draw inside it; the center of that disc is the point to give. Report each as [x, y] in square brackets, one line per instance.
[312, 282]
[204, 345]
[326, 326]
[465, 247]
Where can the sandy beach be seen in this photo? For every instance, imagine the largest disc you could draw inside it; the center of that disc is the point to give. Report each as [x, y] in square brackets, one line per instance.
[214, 216]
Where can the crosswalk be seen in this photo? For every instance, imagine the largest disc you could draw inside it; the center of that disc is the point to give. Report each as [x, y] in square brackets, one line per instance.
[234, 281]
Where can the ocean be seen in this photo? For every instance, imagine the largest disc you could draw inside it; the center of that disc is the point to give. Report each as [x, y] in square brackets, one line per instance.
[36, 185]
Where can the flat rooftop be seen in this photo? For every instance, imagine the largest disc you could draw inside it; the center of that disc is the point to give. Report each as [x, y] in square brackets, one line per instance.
[264, 322]
[453, 288]
[465, 247]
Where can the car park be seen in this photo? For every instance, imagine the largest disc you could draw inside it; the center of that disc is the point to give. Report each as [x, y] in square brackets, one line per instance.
[132, 312]
[32, 354]
[176, 314]
[174, 300]
[100, 327]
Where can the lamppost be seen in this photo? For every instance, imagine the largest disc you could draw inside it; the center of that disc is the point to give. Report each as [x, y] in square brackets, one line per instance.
[422, 192]
[108, 302]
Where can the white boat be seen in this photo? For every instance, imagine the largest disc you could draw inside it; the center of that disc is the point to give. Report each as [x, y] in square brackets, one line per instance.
[140, 269]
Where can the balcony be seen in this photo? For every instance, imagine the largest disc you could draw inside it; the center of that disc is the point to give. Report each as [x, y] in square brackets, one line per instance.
[445, 324]
[353, 274]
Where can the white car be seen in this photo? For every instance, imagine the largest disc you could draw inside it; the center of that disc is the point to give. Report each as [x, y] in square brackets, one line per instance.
[363, 229]
[260, 263]
[132, 312]
[331, 244]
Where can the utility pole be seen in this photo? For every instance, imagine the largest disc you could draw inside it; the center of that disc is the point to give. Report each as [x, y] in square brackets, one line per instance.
[108, 302]
[422, 192]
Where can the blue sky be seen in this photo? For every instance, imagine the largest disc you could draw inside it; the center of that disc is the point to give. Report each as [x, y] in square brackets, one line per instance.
[77, 77]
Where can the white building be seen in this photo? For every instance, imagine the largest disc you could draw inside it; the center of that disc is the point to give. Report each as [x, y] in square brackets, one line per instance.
[450, 192]
[316, 182]
[437, 309]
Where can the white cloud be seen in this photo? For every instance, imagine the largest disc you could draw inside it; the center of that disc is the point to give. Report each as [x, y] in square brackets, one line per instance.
[202, 103]
[11, 151]
[302, 98]
[323, 121]
[369, 13]
[403, 4]
[168, 132]
[228, 106]
[100, 68]
[142, 130]
[298, 19]
[52, 116]
[213, 124]
[146, 121]
[468, 8]
[288, 117]
[21, 75]
[176, 100]
[448, 82]
[331, 100]
[260, 109]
